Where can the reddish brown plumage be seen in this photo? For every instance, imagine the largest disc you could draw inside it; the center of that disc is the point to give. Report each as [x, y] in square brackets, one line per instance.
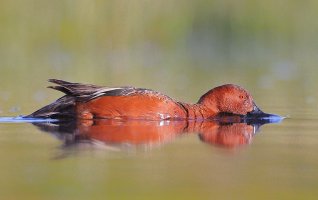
[139, 106]
[86, 101]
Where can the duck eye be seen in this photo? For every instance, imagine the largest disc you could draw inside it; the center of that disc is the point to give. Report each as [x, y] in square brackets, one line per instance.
[241, 97]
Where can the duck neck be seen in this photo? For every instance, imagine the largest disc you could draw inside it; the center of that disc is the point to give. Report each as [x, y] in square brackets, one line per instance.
[198, 111]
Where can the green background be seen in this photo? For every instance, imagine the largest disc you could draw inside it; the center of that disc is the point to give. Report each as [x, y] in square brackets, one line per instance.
[181, 48]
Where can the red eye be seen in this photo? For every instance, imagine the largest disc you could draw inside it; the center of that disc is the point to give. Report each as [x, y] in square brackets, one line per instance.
[241, 97]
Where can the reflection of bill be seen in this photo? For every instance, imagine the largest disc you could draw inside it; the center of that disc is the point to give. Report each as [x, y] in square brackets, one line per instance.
[140, 132]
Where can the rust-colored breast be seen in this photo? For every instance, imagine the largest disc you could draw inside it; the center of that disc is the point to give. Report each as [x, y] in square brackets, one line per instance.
[136, 106]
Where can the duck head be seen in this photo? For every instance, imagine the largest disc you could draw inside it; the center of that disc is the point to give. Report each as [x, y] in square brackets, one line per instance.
[229, 100]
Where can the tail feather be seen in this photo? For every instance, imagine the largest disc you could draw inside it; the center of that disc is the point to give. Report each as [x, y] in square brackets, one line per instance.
[60, 88]
[64, 107]
[74, 89]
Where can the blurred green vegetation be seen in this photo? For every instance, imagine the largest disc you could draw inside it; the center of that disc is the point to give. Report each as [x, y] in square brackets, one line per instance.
[173, 46]
[182, 48]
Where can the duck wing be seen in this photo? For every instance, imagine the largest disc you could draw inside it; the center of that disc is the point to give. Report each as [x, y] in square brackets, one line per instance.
[64, 107]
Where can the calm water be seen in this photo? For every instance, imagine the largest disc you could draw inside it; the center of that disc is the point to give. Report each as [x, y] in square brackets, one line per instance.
[44, 161]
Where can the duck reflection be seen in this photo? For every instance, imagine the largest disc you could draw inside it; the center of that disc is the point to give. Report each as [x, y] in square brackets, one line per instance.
[227, 133]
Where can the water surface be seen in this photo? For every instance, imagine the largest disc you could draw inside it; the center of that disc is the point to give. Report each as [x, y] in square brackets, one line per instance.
[279, 161]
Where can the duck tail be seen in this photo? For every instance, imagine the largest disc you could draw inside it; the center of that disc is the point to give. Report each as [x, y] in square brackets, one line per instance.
[63, 107]
[74, 89]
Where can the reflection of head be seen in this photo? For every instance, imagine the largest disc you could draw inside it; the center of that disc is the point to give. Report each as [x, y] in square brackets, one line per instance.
[229, 136]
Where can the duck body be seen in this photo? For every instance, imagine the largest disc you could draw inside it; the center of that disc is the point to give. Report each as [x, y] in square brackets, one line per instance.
[134, 104]
[86, 101]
